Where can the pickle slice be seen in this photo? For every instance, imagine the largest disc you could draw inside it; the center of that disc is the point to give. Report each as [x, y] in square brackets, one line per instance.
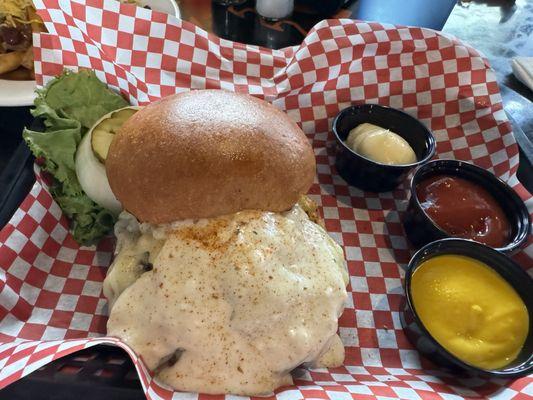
[104, 132]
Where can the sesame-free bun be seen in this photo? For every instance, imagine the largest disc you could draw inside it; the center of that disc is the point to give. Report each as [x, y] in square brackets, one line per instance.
[207, 153]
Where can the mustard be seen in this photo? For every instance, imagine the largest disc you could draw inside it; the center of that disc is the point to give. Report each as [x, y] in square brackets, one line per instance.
[470, 310]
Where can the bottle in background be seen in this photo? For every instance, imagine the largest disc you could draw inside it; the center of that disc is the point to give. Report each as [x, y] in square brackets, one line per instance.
[273, 10]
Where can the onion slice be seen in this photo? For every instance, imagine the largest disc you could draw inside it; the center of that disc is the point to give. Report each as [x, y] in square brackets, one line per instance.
[92, 175]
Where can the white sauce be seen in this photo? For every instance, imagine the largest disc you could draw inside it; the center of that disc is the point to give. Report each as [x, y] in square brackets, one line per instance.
[381, 145]
[243, 299]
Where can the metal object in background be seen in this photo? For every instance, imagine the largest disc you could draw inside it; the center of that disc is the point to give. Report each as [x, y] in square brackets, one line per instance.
[525, 148]
[520, 110]
[520, 113]
[227, 25]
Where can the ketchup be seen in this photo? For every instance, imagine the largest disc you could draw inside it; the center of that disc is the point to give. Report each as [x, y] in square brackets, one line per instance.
[464, 209]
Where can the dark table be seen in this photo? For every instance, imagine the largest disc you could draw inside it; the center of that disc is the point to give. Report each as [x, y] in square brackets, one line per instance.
[501, 29]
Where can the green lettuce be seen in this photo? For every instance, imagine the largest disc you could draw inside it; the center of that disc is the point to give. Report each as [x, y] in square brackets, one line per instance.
[69, 106]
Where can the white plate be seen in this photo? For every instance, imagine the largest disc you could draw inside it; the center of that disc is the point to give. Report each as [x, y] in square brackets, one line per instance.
[16, 93]
[22, 93]
[164, 6]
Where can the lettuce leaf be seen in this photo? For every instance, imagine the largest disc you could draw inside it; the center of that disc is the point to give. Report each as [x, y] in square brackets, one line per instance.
[69, 106]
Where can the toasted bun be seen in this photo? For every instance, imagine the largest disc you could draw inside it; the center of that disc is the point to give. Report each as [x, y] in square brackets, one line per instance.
[208, 153]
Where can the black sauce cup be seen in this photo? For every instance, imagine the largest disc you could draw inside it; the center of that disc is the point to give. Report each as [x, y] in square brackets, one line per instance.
[370, 175]
[420, 228]
[507, 269]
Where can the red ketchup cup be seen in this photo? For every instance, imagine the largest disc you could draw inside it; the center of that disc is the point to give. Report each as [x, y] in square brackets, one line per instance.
[422, 229]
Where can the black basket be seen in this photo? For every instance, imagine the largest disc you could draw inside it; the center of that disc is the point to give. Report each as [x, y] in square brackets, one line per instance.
[99, 372]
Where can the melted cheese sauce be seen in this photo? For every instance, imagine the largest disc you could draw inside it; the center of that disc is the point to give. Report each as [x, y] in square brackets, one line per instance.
[232, 304]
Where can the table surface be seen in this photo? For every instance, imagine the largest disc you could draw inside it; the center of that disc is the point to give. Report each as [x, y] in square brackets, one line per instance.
[501, 29]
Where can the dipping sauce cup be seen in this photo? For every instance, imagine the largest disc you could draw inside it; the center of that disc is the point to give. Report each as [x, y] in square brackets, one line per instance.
[421, 229]
[370, 175]
[506, 268]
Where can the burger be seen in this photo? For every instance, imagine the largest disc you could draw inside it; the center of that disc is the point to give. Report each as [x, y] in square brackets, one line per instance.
[223, 280]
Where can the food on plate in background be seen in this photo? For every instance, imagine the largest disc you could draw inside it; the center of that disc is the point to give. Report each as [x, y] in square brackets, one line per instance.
[380, 145]
[464, 209]
[69, 106]
[18, 20]
[470, 310]
[221, 282]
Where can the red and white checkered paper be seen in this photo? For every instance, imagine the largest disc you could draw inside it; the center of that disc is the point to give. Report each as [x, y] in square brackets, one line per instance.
[51, 298]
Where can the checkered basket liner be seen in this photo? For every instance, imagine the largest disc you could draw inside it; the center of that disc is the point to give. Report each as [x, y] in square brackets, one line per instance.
[51, 301]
